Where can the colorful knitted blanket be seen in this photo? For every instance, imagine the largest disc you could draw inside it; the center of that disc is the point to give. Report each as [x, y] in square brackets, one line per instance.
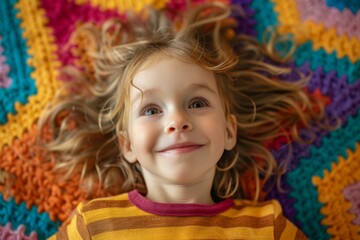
[322, 185]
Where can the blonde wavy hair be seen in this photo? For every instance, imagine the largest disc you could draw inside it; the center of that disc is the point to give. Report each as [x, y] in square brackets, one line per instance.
[87, 121]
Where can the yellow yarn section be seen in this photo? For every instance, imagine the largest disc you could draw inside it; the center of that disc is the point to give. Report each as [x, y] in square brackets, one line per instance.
[41, 48]
[330, 189]
[123, 5]
[326, 38]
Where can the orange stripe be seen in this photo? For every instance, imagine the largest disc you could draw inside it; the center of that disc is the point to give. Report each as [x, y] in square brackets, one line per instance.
[62, 234]
[81, 227]
[280, 223]
[116, 224]
[248, 204]
[106, 204]
[300, 235]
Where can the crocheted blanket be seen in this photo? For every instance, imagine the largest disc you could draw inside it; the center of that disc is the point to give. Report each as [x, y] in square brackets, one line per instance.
[323, 182]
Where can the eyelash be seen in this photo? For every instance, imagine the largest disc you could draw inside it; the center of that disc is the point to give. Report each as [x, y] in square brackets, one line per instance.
[199, 99]
[148, 107]
[153, 106]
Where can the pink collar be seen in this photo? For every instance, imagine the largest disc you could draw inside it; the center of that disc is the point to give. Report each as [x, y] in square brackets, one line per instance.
[179, 209]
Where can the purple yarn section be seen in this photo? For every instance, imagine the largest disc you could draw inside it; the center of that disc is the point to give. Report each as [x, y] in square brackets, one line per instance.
[246, 22]
[5, 81]
[245, 19]
[345, 100]
[345, 22]
[65, 16]
[352, 194]
[7, 233]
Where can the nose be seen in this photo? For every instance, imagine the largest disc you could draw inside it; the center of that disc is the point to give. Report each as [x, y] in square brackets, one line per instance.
[178, 122]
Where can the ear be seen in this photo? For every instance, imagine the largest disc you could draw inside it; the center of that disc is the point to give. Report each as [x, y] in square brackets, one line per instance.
[231, 131]
[126, 148]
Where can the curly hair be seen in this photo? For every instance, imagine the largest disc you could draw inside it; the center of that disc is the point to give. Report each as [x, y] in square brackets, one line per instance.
[87, 121]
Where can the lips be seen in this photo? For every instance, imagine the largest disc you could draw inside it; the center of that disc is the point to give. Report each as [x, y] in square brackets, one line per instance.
[181, 148]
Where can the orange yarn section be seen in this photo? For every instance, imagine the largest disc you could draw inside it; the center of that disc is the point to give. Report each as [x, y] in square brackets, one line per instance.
[83, 59]
[34, 180]
[336, 207]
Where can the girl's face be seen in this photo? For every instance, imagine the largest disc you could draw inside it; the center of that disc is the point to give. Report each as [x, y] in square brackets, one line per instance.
[177, 130]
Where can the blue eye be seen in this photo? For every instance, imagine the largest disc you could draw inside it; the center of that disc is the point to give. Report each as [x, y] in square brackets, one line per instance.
[150, 110]
[198, 103]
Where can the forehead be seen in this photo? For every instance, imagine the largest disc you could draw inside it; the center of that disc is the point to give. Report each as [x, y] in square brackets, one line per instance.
[163, 72]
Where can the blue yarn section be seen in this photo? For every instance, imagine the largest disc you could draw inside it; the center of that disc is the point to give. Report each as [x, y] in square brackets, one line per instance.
[353, 5]
[332, 146]
[264, 16]
[30, 218]
[15, 51]
[329, 62]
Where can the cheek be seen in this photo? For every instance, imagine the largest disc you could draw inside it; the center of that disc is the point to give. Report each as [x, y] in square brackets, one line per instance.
[215, 128]
[144, 137]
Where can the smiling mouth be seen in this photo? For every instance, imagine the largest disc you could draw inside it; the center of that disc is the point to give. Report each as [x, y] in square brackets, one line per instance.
[182, 149]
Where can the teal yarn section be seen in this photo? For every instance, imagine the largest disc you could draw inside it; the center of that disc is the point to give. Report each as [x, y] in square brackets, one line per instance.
[300, 180]
[320, 58]
[15, 51]
[264, 16]
[30, 218]
[353, 5]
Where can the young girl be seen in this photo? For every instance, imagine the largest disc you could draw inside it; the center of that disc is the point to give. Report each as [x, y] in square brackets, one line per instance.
[175, 118]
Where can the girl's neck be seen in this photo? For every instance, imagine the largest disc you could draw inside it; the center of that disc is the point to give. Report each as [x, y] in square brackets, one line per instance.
[197, 194]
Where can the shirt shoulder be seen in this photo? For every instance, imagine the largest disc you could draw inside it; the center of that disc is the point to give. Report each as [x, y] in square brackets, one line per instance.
[92, 216]
[118, 201]
[268, 214]
[258, 209]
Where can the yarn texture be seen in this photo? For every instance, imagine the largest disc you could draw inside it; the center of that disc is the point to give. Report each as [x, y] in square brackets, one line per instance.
[322, 184]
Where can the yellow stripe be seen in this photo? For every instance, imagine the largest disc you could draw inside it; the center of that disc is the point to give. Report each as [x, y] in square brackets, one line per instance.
[322, 37]
[72, 230]
[112, 198]
[41, 48]
[123, 5]
[254, 211]
[289, 231]
[192, 232]
[105, 213]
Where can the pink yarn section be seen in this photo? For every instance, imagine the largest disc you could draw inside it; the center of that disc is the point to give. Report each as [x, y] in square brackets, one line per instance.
[65, 16]
[345, 22]
[4, 70]
[352, 193]
[7, 233]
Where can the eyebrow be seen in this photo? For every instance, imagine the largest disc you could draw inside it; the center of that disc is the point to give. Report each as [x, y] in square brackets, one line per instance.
[193, 87]
[199, 86]
[143, 93]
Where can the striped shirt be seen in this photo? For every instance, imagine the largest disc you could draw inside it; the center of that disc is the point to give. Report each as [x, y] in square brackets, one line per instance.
[132, 216]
